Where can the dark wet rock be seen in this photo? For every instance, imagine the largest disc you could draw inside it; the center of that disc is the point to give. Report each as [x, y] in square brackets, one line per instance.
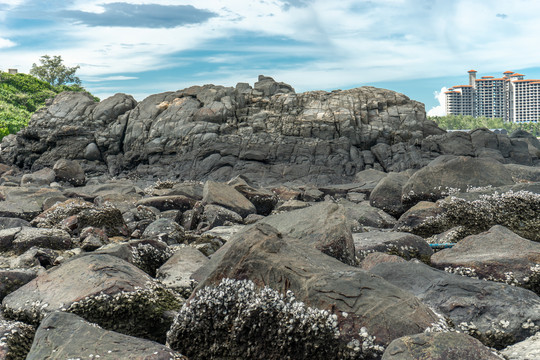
[15, 339]
[268, 258]
[81, 214]
[497, 314]
[91, 152]
[405, 245]
[369, 179]
[63, 335]
[102, 289]
[28, 237]
[448, 174]
[168, 202]
[92, 238]
[439, 346]
[363, 214]
[69, 171]
[176, 272]
[9, 222]
[216, 215]
[387, 194]
[263, 200]
[497, 254]
[323, 226]
[523, 173]
[312, 194]
[228, 197]
[41, 177]
[12, 279]
[166, 230]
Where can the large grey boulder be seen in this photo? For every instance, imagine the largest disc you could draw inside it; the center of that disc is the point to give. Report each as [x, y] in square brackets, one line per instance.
[439, 346]
[497, 314]
[69, 171]
[269, 258]
[387, 194]
[97, 287]
[497, 254]
[63, 335]
[323, 226]
[364, 215]
[448, 174]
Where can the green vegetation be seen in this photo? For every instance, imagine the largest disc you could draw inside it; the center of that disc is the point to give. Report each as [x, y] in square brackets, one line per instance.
[53, 71]
[458, 122]
[21, 95]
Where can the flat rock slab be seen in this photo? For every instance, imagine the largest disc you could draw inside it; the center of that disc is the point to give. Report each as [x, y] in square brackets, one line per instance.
[268, 258]
[439, 346]
[18, 240]
[228, 197]
[168, 202]
[15, 339]
[66, 336]
[497, 254]
[97, 287]
[323, 226]
[496, 314]
[176, 272]
[406, 245]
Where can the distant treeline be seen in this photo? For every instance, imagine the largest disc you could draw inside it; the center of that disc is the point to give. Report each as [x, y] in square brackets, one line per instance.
[462, 122]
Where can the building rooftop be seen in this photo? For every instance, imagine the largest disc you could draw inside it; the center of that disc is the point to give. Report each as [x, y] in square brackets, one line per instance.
[508, 72]
[459, 86]
[516, 74]
[471, 71]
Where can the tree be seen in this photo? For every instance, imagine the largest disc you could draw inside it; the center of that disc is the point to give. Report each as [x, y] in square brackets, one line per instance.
[53, 71]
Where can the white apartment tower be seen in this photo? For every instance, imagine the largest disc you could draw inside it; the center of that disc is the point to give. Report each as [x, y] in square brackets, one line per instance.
[509, 97]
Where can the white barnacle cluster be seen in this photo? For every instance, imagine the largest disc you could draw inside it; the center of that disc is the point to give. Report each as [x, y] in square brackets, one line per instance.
[118, 311]
[441, 325]
[235, 319]
[148, 258]
[462, 270]
[468, 328]
[15, 338]
[531, 326]
[478, 188]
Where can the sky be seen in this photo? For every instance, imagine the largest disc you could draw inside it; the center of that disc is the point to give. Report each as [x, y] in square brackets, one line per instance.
[141, 47]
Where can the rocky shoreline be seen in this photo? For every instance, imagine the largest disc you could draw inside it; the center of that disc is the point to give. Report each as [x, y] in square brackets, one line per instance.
[254, 222]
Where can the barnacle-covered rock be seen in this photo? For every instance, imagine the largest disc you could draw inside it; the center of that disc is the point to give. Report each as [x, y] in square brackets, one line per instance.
[497, 254]
[235, 320]
[15, 339]
[406, 245]
[106, 217]
[63, 335]
[524, 350]
[12, 279]
[102, 289]
[165, 230]
[263, 255]
[517, 208]
[439, 346]
[497, 314]
[146, 254]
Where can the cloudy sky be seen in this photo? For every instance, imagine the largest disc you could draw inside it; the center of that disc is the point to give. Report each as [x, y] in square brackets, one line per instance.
[141, 47]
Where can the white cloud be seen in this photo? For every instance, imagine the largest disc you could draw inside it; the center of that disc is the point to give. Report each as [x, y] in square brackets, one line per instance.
[111, 78]
[6, 43]
[439, 110]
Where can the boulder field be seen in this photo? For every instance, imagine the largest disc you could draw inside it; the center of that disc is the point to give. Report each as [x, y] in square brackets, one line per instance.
[256, 223]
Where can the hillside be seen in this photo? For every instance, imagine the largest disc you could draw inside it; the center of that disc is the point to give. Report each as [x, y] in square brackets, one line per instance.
[20, 96]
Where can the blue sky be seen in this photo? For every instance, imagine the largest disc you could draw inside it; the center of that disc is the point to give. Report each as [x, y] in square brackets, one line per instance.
[141, 47]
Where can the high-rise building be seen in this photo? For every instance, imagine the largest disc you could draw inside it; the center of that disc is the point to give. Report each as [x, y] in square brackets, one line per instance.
[509, 97]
